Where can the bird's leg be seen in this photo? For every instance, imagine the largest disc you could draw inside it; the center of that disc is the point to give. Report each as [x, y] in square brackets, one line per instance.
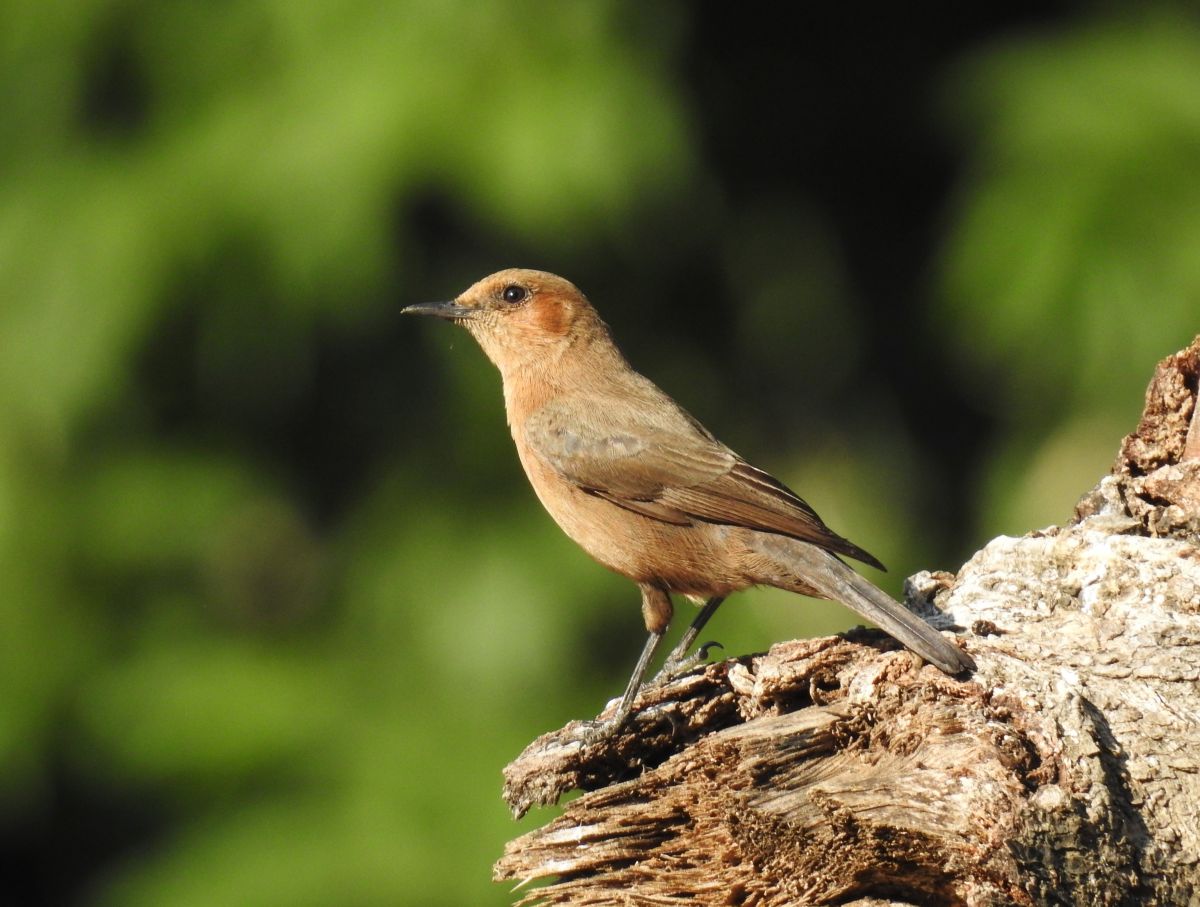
[656, 611]
[679, 662]
[601, 729]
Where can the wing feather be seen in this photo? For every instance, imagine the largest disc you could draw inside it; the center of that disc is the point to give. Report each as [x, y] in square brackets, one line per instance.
[668, 467]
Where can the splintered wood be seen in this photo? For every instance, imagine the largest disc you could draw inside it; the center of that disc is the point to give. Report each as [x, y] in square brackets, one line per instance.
[902, 777]
[1156, 477]
[1066, 770]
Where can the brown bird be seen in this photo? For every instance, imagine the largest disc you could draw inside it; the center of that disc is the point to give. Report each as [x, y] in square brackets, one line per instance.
[643, 487]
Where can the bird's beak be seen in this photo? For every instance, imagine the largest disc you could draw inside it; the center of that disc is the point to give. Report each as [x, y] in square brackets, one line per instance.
[451, 310]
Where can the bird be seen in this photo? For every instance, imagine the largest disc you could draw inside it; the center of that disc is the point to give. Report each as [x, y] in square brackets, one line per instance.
[645, 489]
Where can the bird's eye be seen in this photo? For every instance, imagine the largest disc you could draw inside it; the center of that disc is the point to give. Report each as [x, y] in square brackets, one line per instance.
[513, 293]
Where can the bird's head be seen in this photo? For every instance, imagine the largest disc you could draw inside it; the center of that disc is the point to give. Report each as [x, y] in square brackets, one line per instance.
[521, 317]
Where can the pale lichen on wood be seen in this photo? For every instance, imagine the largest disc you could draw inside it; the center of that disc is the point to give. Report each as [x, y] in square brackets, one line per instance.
[1066, 770]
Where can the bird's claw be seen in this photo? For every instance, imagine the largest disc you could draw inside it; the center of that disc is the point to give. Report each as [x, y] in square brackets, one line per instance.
[597, 730]
[677, 667]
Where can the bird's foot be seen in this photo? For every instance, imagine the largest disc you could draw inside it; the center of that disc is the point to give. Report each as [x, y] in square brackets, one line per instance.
[678, 664]
[599, 730]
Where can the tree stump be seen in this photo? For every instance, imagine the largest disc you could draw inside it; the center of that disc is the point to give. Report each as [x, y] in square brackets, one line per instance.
[842, 770]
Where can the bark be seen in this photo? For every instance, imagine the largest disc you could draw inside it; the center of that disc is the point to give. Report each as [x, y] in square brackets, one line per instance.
[1066, 770]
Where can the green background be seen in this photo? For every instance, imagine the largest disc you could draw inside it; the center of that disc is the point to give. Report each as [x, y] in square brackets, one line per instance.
[276, 604]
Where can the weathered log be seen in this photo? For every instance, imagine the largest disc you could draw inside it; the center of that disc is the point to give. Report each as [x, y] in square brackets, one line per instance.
[1066, 770]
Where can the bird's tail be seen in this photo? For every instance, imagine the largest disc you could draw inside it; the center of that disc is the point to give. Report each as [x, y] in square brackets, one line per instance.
[809, 569]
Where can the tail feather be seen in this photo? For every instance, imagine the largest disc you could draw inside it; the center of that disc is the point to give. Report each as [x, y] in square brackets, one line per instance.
[813, 570]
[897, 621]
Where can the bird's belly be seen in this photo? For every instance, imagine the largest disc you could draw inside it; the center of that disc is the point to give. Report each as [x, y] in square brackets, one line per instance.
[698, 559]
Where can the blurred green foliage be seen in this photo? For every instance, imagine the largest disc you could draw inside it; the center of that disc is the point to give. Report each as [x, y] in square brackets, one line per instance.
[1074, 263]
[285, 656]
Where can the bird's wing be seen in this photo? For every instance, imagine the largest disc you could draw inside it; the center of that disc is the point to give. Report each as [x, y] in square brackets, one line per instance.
[660, 462]
[624, 451]
[747, 496]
